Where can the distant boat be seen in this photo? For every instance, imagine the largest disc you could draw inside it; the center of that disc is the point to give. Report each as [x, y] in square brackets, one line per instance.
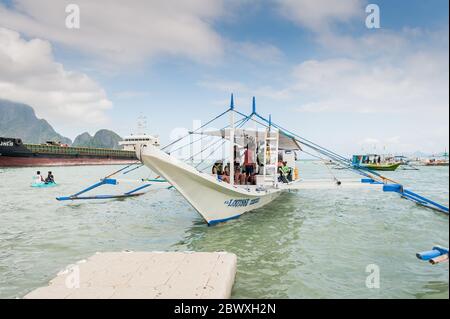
[129, 142]
[403, 160]
[441, 160]
[376, 162]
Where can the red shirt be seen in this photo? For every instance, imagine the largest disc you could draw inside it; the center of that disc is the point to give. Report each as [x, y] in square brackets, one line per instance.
[248, 157]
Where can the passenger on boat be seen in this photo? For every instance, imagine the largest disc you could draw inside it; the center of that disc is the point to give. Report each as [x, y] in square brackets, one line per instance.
[38, 179]
[226, 174]
[285, 173]
[237, 155]
[239, 177]
[50, 178]
[260, 161]
[249, 165]
[217, 168]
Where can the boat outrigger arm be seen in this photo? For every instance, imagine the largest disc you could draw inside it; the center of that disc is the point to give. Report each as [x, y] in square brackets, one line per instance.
[218, 201]
[108, 180]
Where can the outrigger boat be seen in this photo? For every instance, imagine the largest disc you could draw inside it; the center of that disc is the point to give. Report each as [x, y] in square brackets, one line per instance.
[441, 160]
[219, 201]
[219, 198]
[376, 162]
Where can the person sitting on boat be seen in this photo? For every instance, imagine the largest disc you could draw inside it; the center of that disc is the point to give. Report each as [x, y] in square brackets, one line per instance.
[285, 173]
[226, 174]
[239, 177]
[50, 178]
[217, 170]
[38, 179]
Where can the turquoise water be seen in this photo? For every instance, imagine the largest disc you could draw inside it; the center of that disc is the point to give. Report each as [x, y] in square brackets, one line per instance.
[306, 244]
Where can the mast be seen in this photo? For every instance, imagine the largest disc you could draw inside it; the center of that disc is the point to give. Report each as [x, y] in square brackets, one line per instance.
[232, 141]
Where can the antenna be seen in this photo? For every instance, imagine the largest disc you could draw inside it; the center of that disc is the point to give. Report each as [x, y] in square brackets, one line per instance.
[232, 102]
[141, 125]
[254, 105]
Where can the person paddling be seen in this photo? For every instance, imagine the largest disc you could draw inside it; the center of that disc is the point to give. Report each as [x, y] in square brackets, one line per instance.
[38, 179]
[50, 178]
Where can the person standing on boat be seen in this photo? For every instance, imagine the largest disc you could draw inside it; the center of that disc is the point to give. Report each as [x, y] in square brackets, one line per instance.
[249, 164]
[260, 160]
[237, 155]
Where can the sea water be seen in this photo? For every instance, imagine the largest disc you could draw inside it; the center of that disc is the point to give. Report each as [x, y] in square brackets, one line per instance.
[306, 244]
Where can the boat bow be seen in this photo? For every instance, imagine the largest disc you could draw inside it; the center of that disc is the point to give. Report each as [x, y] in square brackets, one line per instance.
[216, 201]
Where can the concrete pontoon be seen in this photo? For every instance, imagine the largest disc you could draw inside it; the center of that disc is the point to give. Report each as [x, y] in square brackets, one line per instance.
[144, 275]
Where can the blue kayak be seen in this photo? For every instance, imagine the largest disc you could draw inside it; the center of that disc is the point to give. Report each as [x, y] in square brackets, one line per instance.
[43, 185]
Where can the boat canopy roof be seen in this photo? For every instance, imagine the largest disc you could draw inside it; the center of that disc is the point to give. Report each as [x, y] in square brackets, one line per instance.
[285, 141]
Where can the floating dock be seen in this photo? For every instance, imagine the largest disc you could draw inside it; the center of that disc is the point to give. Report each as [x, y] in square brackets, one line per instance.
[144, 275]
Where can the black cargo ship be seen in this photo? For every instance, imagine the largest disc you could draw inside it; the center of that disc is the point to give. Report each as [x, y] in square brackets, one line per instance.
[14, 153]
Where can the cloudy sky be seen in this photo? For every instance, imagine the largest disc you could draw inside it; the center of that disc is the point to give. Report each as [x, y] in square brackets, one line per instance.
[314, 65]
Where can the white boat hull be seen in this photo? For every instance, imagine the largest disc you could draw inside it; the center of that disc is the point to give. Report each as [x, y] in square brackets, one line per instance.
[215, 201]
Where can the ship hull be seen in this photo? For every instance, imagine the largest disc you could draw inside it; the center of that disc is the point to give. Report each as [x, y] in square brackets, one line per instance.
[13, 153]
[14, 161]
[437, 164]
[381, 167]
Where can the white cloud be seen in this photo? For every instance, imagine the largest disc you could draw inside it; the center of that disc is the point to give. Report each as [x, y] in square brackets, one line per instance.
[258, 52]
[417, 84]
[123, 32]
[387, 145]
[400, 78]
[29, 74]
[245, 92]
[131, 94]
[320, 16]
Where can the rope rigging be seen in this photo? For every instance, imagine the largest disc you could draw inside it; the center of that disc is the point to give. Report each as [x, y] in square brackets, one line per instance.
[338, 182]
[197, 129]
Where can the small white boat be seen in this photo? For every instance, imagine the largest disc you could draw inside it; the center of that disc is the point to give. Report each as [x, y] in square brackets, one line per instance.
[218, 201]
